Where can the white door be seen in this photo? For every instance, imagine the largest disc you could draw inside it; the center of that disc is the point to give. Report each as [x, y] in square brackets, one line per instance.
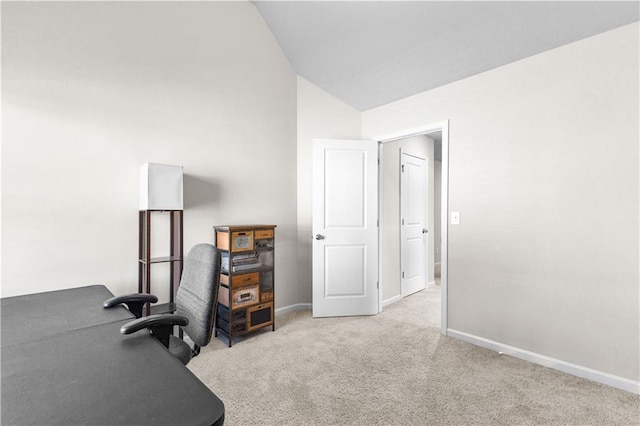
[345, 229]
[413, 217]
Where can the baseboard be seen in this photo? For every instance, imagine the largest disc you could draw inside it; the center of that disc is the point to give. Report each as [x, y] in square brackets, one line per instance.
[391, 300]
[566, 367]
[293, 308]
[432, 284]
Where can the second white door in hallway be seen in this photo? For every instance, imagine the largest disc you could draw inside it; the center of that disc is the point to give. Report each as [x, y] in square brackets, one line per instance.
[413, 217]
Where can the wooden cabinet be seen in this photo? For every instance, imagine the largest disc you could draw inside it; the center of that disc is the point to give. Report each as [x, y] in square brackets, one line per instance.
[145, 261]
[247, 293]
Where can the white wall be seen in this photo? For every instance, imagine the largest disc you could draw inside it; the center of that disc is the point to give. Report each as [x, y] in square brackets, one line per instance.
[390, 225]
[93, 90]
[544, 170]
[320, 116]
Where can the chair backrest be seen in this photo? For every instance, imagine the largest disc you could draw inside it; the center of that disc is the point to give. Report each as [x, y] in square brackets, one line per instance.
[197, 295]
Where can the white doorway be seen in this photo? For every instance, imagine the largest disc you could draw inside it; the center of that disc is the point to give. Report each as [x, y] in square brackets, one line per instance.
[414, 256]
[390, 245]
[323, 285]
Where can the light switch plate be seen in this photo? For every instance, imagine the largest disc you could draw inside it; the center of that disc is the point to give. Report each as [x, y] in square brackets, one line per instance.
[455, 218]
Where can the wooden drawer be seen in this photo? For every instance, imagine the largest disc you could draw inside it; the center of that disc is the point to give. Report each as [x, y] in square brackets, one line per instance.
[266, 296]
[241, 241]
[243, 296]
[240, 280]
[238, 241]
[263, 233]
[259, 316]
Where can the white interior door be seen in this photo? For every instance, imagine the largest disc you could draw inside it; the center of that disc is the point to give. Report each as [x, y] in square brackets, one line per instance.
[345, 229]
[413, 217]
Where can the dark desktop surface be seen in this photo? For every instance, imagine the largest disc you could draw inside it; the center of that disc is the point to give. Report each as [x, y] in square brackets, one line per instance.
[67, 373]
[36, 316]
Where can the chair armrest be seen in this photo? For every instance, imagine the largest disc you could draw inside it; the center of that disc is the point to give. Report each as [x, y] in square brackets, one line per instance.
[135, 302]
[161, 326]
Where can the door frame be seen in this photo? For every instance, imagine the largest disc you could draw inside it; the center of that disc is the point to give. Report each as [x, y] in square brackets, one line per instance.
[440, 126]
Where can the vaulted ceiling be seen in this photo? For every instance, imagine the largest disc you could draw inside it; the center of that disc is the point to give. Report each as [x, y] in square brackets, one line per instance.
[371, 53]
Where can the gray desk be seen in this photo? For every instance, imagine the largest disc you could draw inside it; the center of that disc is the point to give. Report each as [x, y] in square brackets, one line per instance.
[41, 315]
[94, 375]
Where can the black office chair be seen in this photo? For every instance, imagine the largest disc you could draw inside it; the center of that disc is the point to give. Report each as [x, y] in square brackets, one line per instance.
[196, 301]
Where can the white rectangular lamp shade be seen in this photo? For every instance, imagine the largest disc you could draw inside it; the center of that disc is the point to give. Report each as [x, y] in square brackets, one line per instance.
[160, 187]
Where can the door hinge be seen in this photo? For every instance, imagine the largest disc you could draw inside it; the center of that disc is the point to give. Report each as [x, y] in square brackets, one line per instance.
[402, 274]
[402, 167]
[403, 221]
[377, 284]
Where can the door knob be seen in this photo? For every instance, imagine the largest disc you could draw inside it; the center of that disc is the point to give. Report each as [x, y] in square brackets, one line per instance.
[424, 231]
[319, 237]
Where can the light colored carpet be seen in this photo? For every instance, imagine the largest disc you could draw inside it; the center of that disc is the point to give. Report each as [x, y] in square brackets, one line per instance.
[394, 369]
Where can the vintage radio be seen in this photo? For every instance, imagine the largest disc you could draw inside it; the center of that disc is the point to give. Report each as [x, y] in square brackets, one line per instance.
[259, 316]
[240, 297]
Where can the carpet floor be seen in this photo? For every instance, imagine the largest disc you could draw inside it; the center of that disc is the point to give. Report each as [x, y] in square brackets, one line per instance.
[394, 369]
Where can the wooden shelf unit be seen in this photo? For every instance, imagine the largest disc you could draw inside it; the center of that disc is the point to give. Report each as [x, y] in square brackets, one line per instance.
[246, 298]
[175, 258]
